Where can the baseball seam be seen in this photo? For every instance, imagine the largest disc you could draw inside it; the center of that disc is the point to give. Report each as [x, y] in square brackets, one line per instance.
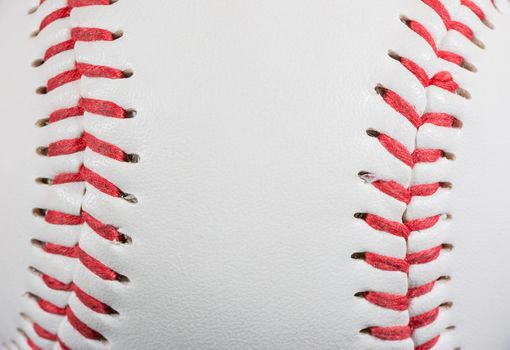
[403, 229]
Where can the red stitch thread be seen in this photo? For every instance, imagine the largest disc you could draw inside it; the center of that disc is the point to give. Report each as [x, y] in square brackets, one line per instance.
[423, 257]
[439, 119]
[393, 189]
[400, 105]
[421, 290]
[54, 16]
[391, 333]
[103, 147]
[58, 218]
[65, 113]
[387, 263]
[448, 22]
[51, 308]
[424, 319]
[100, 182]
[93, 71]
[63, 345]
[106, 231]
[426, 155]
[81, 327]
[62, 79]
[97, 267]
[381, 224]
[64, 147]
[428, 345]
[52, 248]
[58, 48]
[104, 108]
[388, 301]
[55, 284]
[81, 3]
[422, 223]
[473, 7]
[31, 344]
[424, 189]
[91, 34]
[395, 148]
[43, 333]
[92, 303]
[67, 178]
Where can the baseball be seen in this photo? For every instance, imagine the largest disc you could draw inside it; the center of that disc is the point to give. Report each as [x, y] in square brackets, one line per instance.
[254, 175]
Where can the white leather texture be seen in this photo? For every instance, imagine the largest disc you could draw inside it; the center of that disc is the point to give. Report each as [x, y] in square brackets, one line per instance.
[251, 129]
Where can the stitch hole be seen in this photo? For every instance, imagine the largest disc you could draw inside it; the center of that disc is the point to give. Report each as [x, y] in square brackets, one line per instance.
[380, 90]
[118, 34]
[366, 331]
[34, 271]
[38, 62]
[367, 177]
[373, 133]
[35, 33]
[463, 93]
[33, 10]
[130, 113]
[42, 122]
[127, 73]
[361, 216]
[358, 256]
[131, 198]
[450, 328]
[444, 278]
[125, 239]
[44, 181]
[39, 212]
[469, 66]
[394, 55]
[131, 157]
[478, 42]
[488, 23]
[446, 184]
[360, 294]
[42, 151]
[37, 243]
[122, 279]
[457, 123]
[447, 246]
[405, 20]
[448, 155]
[42, 90]
[446, 305]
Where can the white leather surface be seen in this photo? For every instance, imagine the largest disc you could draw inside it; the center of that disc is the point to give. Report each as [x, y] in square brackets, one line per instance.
[251, 131]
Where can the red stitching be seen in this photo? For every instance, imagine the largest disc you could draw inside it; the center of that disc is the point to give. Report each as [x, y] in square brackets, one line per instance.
[97, 267]
[54, 16]
[52, 248]
[92, 303]
[388, 301]
[424, 319]
[51, 308]
[104, 108]
[55, 284]
[43, 333]
[428, 345]
[58, 218]
[106, 231]
[443, 80]
[387, 263]
[391, 333]
[100, 182]
[31, 344]
[81, 327]
[91, 34]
